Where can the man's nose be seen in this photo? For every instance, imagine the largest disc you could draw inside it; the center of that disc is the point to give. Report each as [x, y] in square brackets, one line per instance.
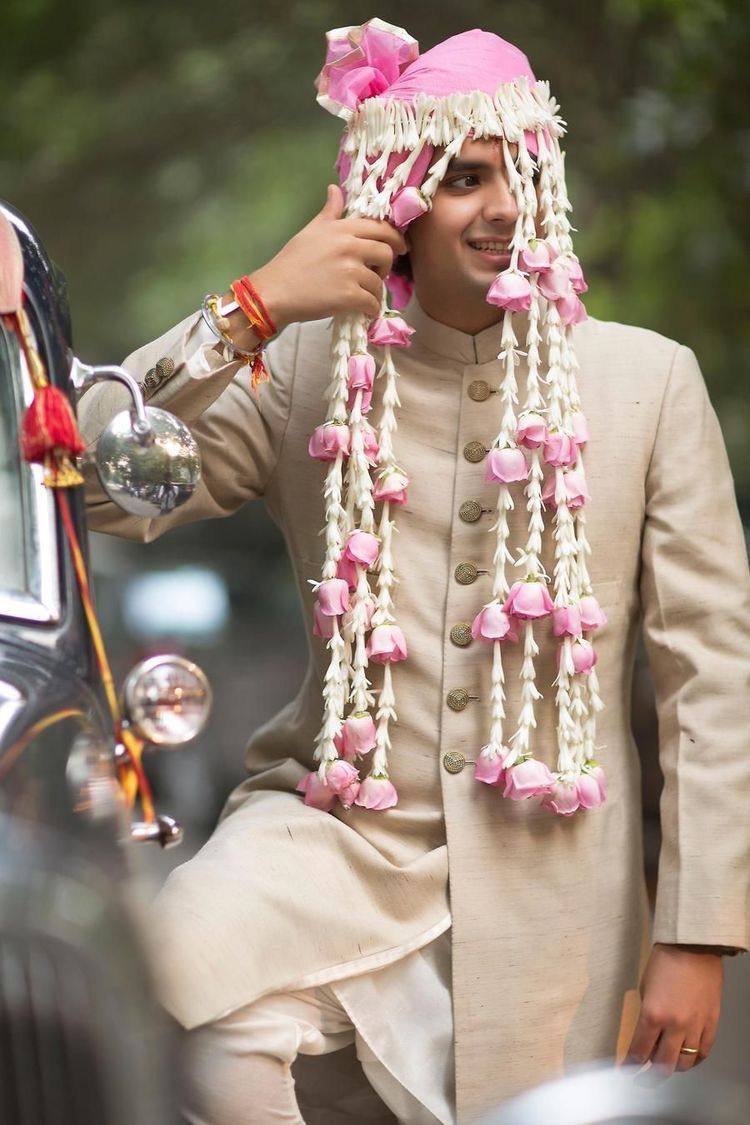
[500, 203]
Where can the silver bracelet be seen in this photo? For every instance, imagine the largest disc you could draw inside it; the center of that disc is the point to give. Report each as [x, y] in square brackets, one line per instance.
[213, 314]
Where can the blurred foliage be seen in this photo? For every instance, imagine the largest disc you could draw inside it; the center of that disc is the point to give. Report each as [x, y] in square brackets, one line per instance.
[161, 149]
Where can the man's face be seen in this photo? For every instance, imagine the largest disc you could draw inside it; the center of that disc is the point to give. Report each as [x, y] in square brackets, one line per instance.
[458, 248]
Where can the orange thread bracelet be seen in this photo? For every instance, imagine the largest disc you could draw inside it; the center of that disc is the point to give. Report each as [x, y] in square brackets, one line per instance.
[251, 303]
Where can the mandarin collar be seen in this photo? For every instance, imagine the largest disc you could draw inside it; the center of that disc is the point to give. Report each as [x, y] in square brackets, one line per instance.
[430, 335]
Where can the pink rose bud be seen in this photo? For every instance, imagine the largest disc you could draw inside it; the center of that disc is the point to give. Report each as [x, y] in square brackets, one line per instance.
[361, 370]
[390, 329]
[362, 547]
[348, 796]
[377, 793]
[600, 776]
[370, 441]
[528, 600]
[592, 614]
[347, 569]
[400, 289]
[527, 778]
[387, 644]
[532, 430]
[584, 656]
[560, 449]
[554, 282]
[538, 256]
[589, 792]
[328, 440]
[357, 734]
[322, 624]
[365, 402]
[333, 597]
[575, 273]
[391, 485]
[571, 309]
[490, 769]
[562, 799]
[407, 206]
[492, 623]
[506, 465]
[510, 290]
[317, 793]
[361, 376]
[576, 492]
[340, 776]
[566, 621]
[580, 428]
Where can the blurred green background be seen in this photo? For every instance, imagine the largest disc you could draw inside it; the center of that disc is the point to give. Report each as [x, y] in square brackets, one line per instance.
[162, 149]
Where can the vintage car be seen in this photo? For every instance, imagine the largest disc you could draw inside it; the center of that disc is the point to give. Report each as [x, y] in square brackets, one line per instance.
[81, 1038]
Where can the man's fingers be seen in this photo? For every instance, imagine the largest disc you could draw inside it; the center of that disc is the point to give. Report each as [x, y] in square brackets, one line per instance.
[376, 256]
[380, 231]
[667, 1055]
[707, 1038]
[373, 284]
[334, 204]
[643, 1042]
[703, 1040]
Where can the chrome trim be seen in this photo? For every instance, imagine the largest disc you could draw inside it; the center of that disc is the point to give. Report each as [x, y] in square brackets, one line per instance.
[12, 700]
[83, 376]
[42, 602]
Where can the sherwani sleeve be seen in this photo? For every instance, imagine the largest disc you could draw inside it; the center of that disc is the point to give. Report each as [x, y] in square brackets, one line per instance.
[240, 433]
[695, 592]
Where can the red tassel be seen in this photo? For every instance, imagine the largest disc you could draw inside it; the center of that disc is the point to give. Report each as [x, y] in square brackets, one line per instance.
[49, 436]
[258, 372]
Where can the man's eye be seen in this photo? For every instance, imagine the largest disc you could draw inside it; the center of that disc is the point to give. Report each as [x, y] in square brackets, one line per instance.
[462, 181]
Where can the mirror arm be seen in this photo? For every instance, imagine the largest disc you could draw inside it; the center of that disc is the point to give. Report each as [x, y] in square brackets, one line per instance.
[83, 376]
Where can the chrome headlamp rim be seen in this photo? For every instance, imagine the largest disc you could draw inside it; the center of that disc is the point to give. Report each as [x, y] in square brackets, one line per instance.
[143, 668]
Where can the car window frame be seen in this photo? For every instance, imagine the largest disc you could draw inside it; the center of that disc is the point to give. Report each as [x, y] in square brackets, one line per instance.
[41, 603]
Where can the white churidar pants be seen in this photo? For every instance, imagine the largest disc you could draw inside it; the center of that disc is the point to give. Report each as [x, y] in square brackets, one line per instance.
[248, 1067]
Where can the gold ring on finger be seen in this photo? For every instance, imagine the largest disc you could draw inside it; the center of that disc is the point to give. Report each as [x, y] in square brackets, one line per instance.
[689, 1050]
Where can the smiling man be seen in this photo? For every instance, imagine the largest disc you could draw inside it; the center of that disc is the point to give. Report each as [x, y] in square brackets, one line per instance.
[436, 858]
[459, 247]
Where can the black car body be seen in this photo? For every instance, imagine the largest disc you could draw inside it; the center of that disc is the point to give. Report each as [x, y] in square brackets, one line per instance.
[81, 1038]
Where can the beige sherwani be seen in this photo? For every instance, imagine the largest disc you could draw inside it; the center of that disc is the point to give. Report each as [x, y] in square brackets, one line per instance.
[549, 913]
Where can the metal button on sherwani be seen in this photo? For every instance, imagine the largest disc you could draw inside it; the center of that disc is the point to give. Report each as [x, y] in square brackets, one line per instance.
[474, 451]
[479, 390]
[466, 573]
[461, 634]
[454, 761]
[157, 375]
[458, 698]
[470, 511]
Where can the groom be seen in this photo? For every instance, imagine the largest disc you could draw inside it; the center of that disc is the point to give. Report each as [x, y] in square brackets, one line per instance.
[546, 911]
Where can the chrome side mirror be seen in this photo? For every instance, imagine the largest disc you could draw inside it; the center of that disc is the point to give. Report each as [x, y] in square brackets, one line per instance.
[148, 461]
[167, 699]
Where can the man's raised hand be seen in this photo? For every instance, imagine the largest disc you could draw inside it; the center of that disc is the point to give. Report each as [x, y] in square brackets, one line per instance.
[332, 265]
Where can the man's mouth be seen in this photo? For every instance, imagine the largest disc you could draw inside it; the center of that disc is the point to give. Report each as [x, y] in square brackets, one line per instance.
[488, 246]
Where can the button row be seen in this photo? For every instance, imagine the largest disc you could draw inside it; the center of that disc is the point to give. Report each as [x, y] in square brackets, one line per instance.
[466, 573]
[155, 376]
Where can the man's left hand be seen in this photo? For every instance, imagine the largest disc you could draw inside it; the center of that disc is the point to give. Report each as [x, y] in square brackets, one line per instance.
[680, 1005]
